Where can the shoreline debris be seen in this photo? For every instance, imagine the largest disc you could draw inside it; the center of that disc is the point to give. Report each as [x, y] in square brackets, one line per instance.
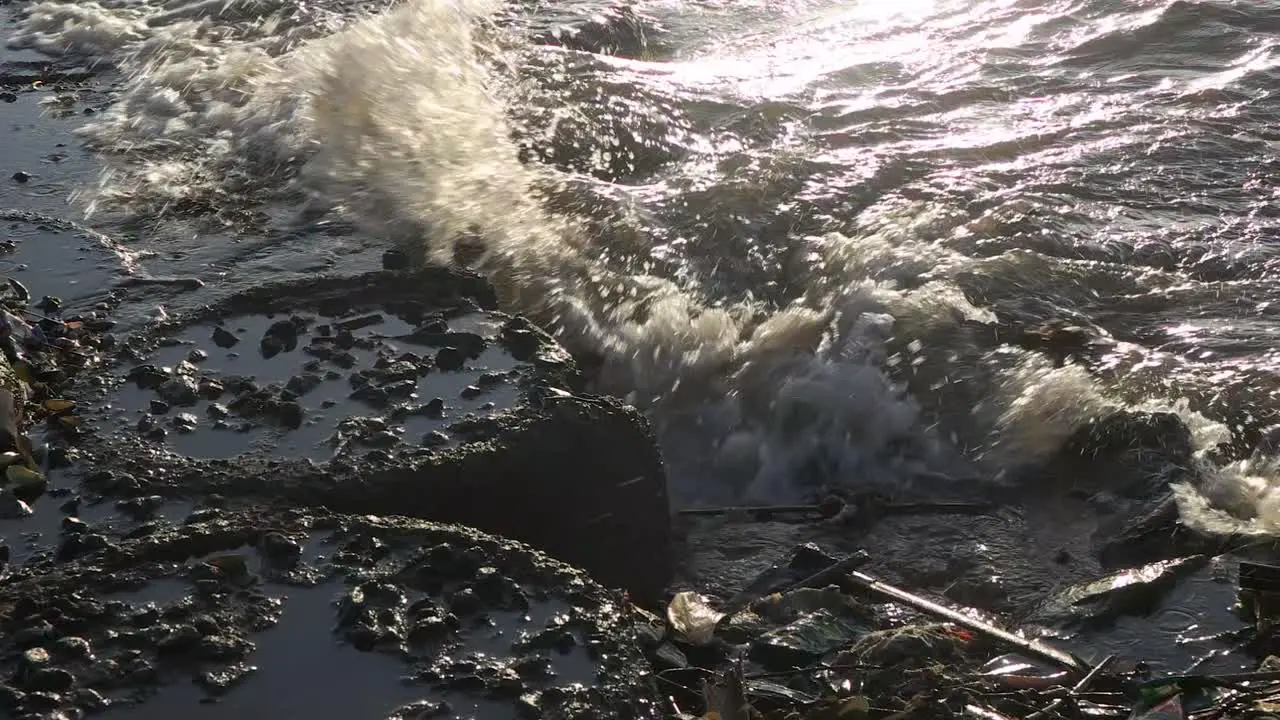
[813, 638]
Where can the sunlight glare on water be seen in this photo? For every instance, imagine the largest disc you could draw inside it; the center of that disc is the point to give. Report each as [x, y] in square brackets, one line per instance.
[814, 241]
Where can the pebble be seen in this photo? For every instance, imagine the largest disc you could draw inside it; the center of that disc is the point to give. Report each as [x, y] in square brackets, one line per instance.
[450, 358]
[89, 700]
[54, 680]
[12, 508]
[73, 647]
[21, 176]
[281, 550]
[10, 697]
[34, 659]
[179, 390]
[434, 408]
[74, 526]
[223, 338]
[302, 384]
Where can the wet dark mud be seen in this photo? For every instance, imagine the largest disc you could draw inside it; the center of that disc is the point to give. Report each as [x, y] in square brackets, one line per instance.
[427, 406]
[310, 614]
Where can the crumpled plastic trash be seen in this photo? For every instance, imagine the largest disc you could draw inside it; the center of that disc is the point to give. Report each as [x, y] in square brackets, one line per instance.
[1176, 697]
[692, 618]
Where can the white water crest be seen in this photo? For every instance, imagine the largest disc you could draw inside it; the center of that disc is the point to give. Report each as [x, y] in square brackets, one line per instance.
[880, 373]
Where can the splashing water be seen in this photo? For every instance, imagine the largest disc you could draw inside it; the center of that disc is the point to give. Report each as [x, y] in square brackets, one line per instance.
[868, 363]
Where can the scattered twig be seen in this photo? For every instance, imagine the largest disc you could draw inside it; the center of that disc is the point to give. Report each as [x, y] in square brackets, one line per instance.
[1080, 686]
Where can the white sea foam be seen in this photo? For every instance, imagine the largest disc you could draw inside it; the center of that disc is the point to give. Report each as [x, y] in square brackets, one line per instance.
[882, 372]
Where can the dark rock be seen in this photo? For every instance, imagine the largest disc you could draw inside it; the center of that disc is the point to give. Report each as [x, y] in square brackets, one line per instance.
[395, 260]
[435, 438]
[450, 358]
[33, 660]
[384, 439]
[224, 338]
[179, 390]
[74, 526]
[209, 388]
[10, 698]
[89, 700]
[159, 407]
[465, 602]
[434, 408]
[522, 343]
[223, 679]
[21, 176]
[280, 550]
[42, 701]
[221, 647]
[148, 377]
[11, 508]
[373, 396]
[401, 390]
[179, 640]
[74, 648]
[1134, 591]
[54, 680]
[302, 384]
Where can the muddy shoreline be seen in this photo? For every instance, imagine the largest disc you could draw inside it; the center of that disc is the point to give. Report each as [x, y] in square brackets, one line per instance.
[379, 486]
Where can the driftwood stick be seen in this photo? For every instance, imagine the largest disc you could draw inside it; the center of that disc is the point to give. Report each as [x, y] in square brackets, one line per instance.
[1031, 647]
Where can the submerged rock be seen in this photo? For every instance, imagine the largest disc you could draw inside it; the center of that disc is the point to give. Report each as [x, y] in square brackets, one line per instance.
[1135, 591]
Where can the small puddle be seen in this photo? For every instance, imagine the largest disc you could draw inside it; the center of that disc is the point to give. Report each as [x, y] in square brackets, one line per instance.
[42, 163]
[317, 374]
[50, 260]
[43, 530]
[500, 635]
[303, 672]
